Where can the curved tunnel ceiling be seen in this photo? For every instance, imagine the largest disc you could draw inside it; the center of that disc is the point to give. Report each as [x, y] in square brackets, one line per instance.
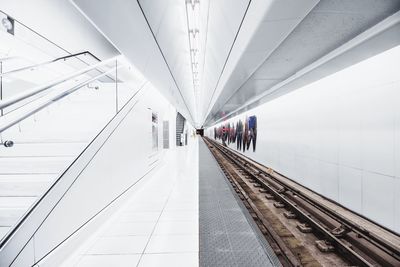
[328, 26]
[245, 49]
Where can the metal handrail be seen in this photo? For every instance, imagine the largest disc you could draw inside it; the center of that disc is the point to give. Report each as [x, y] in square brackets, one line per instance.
[38, 89]
[9, 58]
[48, 62]
[35, 211]
[51, 100]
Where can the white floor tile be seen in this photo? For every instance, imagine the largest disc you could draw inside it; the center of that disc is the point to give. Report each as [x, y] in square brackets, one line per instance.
[177, 228]
[119, 245]
[191, 215]
[173, 243]
[109, 260]
[181, 207]
[130, 228]
[170, 260]
[146, 206]
[159, 223]
[140, 216]
[192, 204]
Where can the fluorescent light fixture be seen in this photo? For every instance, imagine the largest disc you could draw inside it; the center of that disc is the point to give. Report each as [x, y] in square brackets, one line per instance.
[193, 17]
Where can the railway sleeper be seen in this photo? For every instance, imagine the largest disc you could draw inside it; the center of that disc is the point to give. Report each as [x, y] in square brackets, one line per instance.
[279, 205]
[340, 231]
[269, 196]
[281, 190]
[289, 215]
[304, 228]
[337, 232]
[324, 246]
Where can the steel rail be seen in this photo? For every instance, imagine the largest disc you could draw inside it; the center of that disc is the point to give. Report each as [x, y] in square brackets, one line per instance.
[387, 247]
[9, 58]
[294, 207]
[354, 257]
[349, 254]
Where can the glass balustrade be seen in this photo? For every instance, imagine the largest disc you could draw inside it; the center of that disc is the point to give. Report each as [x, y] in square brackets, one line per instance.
[42, 134]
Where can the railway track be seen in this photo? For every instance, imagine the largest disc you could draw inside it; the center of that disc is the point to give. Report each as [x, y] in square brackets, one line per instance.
[302, 231]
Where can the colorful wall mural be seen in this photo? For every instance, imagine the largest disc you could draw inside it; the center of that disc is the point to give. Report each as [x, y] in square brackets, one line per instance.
[243, 133]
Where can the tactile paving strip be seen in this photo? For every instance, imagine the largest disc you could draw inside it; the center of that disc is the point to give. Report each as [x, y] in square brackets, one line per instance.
[227, 235]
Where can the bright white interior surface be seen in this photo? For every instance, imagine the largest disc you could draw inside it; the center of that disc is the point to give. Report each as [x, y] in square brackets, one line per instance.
[158, 225]
[103, 163]
[127, 201]
[48, 142]
[246, 47]
[340, 136]
[59, 22]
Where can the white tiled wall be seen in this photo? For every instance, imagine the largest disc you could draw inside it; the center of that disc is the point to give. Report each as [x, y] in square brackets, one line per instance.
[340, 136]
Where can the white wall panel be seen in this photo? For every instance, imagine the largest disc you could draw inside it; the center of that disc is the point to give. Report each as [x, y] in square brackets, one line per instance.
[329, 173]
[340, 136]
[349, 125]
[397, 204]
[378, 152]
[350, 188]
[378, 207]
